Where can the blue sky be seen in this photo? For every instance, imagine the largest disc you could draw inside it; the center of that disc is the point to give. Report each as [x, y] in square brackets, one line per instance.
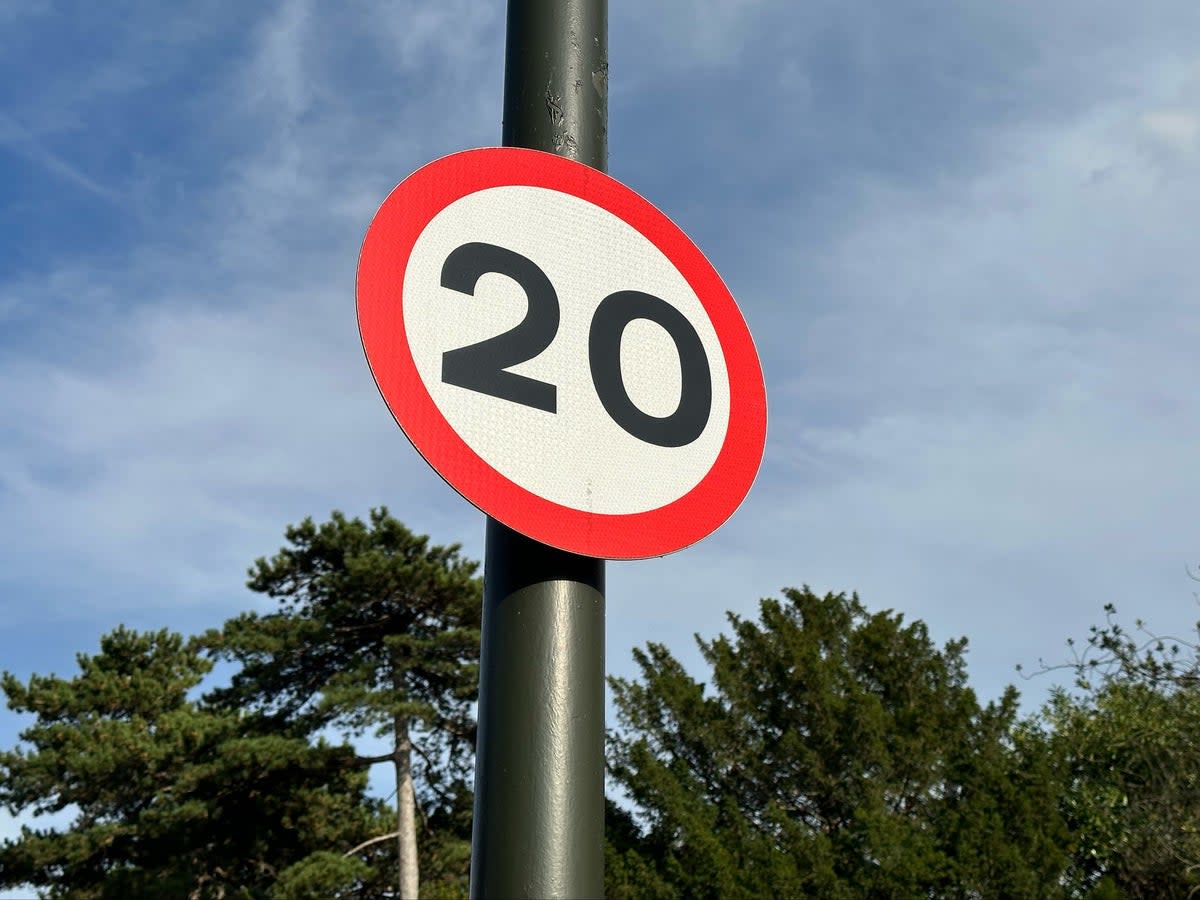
[963, 235]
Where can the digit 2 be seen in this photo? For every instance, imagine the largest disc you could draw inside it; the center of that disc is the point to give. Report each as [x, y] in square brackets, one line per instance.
[482, 367]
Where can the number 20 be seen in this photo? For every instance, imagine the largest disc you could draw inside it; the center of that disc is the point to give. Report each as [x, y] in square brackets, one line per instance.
[483, 366]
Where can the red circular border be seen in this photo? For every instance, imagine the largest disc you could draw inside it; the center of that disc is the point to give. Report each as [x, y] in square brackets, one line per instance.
[381, 268]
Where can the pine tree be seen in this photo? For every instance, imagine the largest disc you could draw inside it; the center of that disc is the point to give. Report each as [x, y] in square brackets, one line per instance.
[377, 631]
[169, 798]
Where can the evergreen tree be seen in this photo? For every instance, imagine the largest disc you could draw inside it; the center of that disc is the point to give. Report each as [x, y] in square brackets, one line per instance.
[169, 799]
[835, 753]
[377, 630]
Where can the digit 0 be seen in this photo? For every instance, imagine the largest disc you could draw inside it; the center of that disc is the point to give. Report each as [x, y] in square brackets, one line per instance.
[690, 417]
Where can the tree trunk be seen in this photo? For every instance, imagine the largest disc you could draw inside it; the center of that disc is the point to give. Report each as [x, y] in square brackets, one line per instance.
[406, 813]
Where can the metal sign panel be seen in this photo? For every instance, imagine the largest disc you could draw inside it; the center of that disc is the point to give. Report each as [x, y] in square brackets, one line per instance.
[561, 353]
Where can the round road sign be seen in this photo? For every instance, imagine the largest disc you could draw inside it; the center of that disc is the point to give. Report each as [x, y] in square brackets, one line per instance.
[561, 353]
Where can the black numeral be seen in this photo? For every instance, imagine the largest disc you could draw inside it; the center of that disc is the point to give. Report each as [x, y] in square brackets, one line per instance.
[604, 354]
[481, 367]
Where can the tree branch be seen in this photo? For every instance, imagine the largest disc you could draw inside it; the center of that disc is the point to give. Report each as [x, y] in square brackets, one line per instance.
[374, 840]
[372, 760]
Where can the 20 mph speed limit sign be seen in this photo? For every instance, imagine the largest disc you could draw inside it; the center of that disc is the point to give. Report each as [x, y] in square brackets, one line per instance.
[561, 353]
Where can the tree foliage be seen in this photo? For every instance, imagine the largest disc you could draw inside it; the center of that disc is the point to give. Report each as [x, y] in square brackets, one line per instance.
[1127, 743]
[834, 753]
[829, 752]
[238, 793]
[377, 631]
[169, 798]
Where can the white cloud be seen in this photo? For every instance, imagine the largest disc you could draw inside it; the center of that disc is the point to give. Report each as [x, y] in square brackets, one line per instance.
[718, 35]
[162, 469]
[180, 404]
[1178, 129]
[990, 421]
[278, 79]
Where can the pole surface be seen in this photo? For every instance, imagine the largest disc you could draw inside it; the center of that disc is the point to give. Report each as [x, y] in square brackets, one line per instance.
[556, 78]
[539, 767]
[539, 770]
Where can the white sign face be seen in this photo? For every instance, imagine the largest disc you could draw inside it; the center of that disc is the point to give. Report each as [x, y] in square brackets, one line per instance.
[561, 353]
[578, 456]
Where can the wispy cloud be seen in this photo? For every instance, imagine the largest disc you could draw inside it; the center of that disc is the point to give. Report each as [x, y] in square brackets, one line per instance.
[18, 139]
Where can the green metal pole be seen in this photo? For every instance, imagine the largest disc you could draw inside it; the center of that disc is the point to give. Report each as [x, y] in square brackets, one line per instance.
[539, 770]
[556, 78]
